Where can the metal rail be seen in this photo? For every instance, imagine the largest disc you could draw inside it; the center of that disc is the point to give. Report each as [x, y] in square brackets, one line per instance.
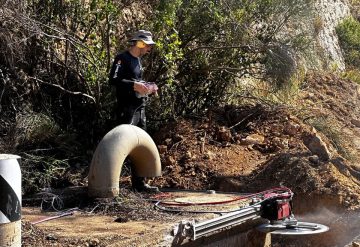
[197, 230]
[226, 220]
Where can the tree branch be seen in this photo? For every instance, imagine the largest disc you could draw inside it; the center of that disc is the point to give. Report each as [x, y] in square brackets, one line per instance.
[63, 89]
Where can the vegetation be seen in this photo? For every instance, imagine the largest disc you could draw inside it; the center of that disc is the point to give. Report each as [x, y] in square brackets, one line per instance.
[205, 47]
[349, 35]
[54, 59]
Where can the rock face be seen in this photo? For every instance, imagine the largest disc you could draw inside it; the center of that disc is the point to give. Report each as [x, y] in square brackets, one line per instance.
[328, 14]
[319, 25]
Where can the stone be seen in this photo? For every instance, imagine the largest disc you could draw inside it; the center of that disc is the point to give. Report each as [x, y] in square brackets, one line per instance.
[168, 141]
[355, 122]
[162, 149]
[292, 129]
[51, 237]
[355, 244]
[224, 134]
[314, 159]
[253, 139]
[169, 161]
[94, 242]
[309, 95]
[188, 155]
[209, 155]
[341, 165]
[280, 143]
[317, 147]
[237, 137]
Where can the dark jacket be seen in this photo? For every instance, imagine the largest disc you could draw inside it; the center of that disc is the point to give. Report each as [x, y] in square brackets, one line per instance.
[125, 70]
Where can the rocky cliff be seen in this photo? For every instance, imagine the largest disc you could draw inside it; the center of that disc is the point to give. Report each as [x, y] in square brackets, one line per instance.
[327, 15]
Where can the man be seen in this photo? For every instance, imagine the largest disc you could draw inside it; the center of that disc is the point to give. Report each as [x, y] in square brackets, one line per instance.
[132, 91]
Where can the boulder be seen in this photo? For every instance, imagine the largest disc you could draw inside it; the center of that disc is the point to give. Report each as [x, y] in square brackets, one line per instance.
[317, 146]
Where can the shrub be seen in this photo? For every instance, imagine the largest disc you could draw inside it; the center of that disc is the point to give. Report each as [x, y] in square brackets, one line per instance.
[353, 75]
[206, 47]
[349, 36]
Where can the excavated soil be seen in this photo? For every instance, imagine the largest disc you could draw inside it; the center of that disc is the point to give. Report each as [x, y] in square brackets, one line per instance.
[251, 148]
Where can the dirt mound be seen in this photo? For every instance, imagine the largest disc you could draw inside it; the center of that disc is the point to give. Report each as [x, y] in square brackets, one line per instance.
[331, 95]
[307, 179]
[256, 147]
[332, 104]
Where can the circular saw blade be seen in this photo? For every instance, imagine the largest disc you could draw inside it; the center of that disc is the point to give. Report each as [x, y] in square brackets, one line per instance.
[300, 228]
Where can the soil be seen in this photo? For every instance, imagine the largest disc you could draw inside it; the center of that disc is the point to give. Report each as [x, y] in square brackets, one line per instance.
[251, 148]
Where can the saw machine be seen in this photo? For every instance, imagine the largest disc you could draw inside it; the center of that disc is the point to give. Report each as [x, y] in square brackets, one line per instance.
[274, 205]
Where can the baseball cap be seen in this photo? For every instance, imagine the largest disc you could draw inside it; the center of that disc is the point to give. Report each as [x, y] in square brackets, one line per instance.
[144, 36]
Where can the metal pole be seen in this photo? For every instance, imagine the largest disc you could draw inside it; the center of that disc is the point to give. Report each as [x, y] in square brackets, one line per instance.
[230, 219]
[10, 200]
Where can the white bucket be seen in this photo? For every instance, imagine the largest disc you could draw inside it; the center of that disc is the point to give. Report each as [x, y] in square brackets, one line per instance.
[10, 200]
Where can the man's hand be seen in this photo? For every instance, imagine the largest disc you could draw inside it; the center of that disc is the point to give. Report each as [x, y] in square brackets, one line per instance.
[141, 88]
[152, 87]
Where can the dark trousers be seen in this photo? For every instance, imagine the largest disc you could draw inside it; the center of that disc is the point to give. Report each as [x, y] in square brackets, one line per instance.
[133, 116]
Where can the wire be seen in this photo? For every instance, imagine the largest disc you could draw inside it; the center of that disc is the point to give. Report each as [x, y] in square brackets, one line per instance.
[267, 194]
[54, 200]
[59, 215]
[198, 211]
[231, 200]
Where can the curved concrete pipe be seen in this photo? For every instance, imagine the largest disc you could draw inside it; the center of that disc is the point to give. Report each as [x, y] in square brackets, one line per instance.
[122, 141]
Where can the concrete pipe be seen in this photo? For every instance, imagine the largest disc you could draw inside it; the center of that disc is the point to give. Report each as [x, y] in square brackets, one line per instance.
[10, 200]
[122, 141]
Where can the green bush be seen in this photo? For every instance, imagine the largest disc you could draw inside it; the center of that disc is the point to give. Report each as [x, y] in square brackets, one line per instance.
[349, 36]
[205, 47]
[353, 75]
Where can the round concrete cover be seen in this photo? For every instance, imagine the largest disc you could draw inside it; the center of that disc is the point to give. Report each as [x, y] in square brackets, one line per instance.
[205, 198]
